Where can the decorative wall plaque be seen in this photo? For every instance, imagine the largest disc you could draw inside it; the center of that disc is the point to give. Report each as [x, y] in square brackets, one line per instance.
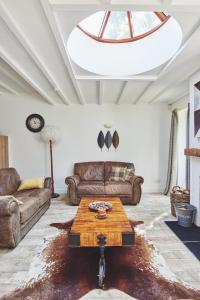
[101, 140]
[115, 140]
[108, 140]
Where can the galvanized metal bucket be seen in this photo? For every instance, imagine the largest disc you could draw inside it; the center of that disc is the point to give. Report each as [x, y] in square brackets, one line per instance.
[185, 214]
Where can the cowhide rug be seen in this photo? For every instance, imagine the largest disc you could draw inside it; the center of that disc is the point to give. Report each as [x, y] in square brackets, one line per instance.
[63, 273]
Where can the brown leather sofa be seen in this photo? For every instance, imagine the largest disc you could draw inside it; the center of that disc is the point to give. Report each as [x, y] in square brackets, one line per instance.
[91, 179]
[16, 220]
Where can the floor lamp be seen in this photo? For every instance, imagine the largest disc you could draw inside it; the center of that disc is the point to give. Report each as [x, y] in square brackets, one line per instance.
[51, 135]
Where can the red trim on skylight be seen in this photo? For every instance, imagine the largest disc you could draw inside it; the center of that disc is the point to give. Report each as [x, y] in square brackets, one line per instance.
[130, 23]
[163, 18]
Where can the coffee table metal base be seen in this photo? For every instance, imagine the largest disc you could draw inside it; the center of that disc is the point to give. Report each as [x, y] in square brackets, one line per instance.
[102, 261]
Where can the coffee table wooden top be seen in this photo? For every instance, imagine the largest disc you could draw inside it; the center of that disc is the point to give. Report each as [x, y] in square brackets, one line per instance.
[86, 227]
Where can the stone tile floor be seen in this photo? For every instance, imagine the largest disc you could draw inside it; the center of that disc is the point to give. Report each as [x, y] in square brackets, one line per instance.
[153, 209]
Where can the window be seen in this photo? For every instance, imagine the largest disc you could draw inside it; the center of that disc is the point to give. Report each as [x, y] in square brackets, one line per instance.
[122, 26]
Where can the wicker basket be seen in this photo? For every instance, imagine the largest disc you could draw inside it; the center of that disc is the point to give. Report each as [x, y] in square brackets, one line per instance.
[178, 195]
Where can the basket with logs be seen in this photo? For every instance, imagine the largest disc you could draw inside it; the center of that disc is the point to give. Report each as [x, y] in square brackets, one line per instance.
[178, 195]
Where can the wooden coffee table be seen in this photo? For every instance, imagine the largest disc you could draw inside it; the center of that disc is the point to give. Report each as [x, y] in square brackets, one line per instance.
[88, 231]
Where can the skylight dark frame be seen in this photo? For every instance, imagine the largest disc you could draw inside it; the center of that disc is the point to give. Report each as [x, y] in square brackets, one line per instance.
[162, 17]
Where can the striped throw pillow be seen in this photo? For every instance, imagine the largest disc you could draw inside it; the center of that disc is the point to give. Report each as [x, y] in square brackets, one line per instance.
[117, 174]
[128, 174]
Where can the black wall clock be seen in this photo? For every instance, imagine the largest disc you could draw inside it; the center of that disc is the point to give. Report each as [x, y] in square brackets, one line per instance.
[35, 123]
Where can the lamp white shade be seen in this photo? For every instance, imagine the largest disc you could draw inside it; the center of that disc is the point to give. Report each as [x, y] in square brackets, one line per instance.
[108, 125]
[50, 133]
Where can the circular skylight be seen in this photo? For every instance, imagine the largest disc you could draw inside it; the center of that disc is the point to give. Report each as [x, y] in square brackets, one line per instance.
[121, 26]
[122, 43]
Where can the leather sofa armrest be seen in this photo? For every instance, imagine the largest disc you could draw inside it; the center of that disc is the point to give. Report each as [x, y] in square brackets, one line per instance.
[72, 180]
[48, 183]
[136, 182]
[8, 207]
[9, 223]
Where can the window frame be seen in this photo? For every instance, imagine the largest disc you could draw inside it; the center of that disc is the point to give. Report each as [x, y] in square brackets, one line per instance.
[161, 15]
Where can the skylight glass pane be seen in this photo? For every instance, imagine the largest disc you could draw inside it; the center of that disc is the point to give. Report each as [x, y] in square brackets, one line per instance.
[117, 26]
[93, 23]
[143, 22]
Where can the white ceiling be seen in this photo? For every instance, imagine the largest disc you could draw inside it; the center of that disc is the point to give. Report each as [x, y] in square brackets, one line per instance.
[34, 58]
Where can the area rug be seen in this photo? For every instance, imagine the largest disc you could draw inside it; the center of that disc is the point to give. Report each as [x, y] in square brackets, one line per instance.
[63, 273]
[189, 236]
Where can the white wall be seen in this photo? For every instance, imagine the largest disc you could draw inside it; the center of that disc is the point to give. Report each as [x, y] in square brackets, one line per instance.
[194, 161]
[181, 142]
[143, 132]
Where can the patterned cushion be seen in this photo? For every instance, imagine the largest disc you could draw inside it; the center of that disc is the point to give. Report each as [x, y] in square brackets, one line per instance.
[117, 174]
[128, 174]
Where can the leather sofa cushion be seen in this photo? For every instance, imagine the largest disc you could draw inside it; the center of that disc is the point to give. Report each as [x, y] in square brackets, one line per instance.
[91, 188]
[9, 180]
[110, 164]
[90, 171]
[28, 209]
[118, 188]
[42, 195]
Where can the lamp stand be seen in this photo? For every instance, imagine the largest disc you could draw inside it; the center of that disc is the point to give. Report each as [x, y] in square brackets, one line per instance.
[54, 195]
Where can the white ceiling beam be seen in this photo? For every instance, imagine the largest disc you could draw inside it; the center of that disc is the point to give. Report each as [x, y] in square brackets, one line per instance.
[13, 64]
[180, 104]
[124, 5]
[159, 94]
[101, 92]
[183, 78]
[185, 94]
[105, 1]
[61, 46]
[123, 78]
[15, 29]
[188, 40]
[124, 85]
[8, 88]
[96, 2]
[142, 93]
[166, 2]
[163, 70]
[104, 5]
[12, 77]
[97, 7]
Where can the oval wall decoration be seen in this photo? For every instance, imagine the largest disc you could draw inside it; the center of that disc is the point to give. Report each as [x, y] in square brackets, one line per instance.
[115, 140]
[108, 140]
[101, 140]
